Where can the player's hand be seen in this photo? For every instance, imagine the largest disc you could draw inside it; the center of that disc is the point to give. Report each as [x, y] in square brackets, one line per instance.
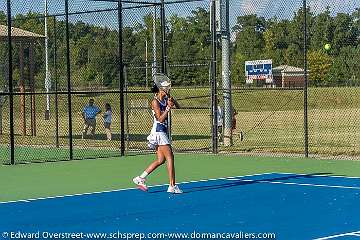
[170, 102]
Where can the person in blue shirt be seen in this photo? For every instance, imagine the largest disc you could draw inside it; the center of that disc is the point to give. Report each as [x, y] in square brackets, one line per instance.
[89, 114]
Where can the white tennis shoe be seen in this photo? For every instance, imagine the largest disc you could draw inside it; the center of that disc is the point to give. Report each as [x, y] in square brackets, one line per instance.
[140, 182]
[174, 189]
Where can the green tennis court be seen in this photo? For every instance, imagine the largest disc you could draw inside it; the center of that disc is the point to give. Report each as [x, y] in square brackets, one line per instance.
[223, 194]
[73, 177]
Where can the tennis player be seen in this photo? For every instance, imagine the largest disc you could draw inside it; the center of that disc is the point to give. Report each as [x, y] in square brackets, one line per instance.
[158, 138]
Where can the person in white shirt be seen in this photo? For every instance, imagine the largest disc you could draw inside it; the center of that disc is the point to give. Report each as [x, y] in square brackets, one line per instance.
[107, 121]
[220, 122]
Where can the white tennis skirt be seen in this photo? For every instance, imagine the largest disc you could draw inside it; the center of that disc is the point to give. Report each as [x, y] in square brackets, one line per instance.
[158, 139]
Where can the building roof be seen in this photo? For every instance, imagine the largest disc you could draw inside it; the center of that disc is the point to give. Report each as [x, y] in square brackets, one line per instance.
[287, 68]
[18, 33]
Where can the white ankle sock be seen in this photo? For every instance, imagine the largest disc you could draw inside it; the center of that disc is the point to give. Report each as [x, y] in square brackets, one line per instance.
[144, 174]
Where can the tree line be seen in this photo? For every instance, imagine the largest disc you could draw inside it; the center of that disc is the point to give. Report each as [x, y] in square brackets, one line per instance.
[94, 48]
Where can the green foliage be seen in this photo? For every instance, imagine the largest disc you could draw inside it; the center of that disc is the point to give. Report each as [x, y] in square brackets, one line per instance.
[323, 30]
[94, 49]
[249, 37]
[344, 32]
[188, 41]
[319, 66]
[276, 41]
[345, 70]
[283, 42]
[356, 17]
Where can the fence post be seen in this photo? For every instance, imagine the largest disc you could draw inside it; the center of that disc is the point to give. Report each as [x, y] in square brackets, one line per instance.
[56, 87]
[163, 38]
[10, 83]
[213, 79]
[121, 80]
[306, 127]
[68, 77]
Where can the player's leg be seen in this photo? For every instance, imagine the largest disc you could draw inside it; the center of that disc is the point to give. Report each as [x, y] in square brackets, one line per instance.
[85, 129]
[160, 160]
[108, 131]
[220, 134]
[167, 152]
[140, 180]
[93, 126]
[169, 156]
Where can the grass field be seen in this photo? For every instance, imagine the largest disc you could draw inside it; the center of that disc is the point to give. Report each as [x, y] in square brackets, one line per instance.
[271, 119]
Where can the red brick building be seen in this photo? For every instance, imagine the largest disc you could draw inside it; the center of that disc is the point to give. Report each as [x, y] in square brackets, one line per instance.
[288, 76]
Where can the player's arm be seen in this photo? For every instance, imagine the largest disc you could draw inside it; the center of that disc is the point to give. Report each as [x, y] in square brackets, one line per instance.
[176, 103]
[156, 107]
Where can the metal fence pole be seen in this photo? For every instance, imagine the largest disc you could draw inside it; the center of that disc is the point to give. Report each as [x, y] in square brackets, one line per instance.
[306, 127]
[121, 80]
[11, 97]
[213, 79]
[68, 77]
[225, 43]
[163, 38]
[56, 87]
[164, 69]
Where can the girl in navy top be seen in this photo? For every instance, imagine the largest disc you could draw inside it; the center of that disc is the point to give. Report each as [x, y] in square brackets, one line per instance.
[158, 138]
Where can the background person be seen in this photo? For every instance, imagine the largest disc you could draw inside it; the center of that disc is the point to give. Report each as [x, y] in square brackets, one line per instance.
[89, 114]
[107, 121]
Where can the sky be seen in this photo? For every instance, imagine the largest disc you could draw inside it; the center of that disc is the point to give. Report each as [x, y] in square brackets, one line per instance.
[286, 8]
[283, 9]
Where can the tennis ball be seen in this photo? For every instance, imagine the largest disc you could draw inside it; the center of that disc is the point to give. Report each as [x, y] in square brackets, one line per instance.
[327, 46]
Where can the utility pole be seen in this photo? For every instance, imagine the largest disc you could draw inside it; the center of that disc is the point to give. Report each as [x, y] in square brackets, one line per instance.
[226, 80]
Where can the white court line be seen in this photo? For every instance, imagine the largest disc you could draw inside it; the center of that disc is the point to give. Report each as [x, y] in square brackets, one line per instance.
[124, 189]
[316, 175]
[357, 234]
[300, 184]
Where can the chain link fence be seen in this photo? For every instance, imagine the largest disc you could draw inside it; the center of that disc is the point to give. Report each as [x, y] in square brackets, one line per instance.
[267, 114]
[270, 115]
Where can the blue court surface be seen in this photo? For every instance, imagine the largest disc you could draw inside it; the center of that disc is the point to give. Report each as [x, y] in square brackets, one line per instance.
[293, 206]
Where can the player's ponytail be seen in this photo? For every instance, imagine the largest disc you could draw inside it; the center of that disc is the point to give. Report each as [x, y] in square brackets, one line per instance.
[155, 89]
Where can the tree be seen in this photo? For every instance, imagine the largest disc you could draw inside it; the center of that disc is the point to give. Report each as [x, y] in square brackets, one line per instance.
[249, 43]
[322, 31]
[295, 51]
[238, 68]
[345, 33]
[249, 36]
[319, 66]
[3, 18]
[345, 70]
[276, 41]
[189, 42]
[356, 18]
